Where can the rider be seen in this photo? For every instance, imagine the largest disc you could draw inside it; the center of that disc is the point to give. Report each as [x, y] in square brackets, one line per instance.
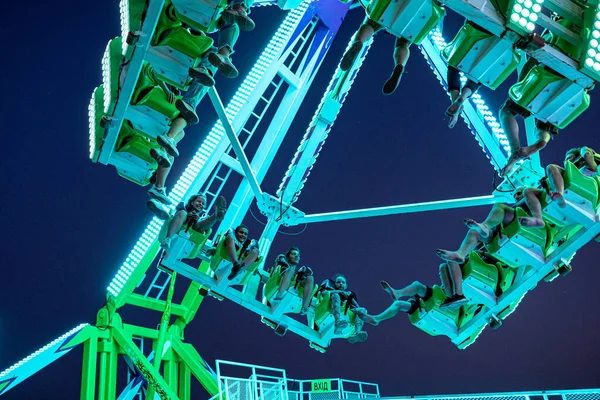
[401, 53]
[189, 215]
[415, 291]
[237, 242]
[304, 276]
[338, 287]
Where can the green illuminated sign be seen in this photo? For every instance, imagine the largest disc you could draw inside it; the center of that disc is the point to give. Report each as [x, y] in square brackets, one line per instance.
[320, 386]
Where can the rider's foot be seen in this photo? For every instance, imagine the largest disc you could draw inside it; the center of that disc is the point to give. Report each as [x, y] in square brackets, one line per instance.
[559, 198]
[350, 55]
[531, 222]
[394, 80]
[450, 256]
[483, 230]
[389, 289]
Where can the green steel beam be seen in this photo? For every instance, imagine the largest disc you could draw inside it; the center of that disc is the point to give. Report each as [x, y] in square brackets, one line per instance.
[88, 369]
[192, 359]
[155, 380]
[150, 303]
[162, 331]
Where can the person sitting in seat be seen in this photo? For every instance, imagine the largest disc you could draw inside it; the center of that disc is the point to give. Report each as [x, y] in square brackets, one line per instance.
[508, 120]
[168, 142]
[458, 95]
[401, 53]
[584, 158]
[190, 215]
[237, 242]
[499, 216]
[338, 288]
[415, 292]
[304, 276]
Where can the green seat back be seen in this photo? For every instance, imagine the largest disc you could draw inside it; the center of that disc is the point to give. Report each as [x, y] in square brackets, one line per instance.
[484, 57]
[477, 269]
[203, 16]
[542, 83]
[138, 145]
[541, 237]
[193, 46]
[564, 46]
[410, 19]
[578, 183]
[156, 99]
[430, 307]
[506, 277]
[199, 239]
[467, 313]
[250, 270]
[166, 22]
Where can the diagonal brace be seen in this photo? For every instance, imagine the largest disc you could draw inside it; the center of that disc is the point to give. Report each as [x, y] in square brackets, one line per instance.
[235, 143]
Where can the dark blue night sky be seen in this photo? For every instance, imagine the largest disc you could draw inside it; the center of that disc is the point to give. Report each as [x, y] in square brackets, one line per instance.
[68, 224]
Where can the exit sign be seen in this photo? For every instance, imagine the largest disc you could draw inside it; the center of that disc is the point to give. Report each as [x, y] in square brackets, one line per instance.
[320, 386]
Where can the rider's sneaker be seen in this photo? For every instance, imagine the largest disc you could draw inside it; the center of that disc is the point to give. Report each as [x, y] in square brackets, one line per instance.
[159, 194]
[168, 144]
[161, 157]
[223, 64]
[240, 17]
[158, 210]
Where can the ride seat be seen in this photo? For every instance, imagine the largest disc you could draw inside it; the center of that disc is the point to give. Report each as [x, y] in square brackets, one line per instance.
[292, 298]
[409, 19]
[175, 49]
[563, 45]
[506, 277]
[550, 97]
[150, 110]
[219, 260]
[184, 245]
[132, 155]
[430, 319]
[202, 15]
[480, 280]
[518, 245]
[324, 321]
[481, 56]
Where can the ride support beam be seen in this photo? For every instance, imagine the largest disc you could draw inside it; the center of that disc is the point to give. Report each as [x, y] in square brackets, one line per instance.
[162, 331]
[235, 142]
[399, 209]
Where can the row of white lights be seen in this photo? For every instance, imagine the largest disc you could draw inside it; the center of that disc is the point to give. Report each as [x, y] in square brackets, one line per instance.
[42, 350]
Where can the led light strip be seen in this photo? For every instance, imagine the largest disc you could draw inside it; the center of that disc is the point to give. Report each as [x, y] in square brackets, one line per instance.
[592, 56]
[124, 14]
[106, 76]
[92, 123]
[330, 87]
[42, 350]
[524, 13]
[476, 99]
[209, 144]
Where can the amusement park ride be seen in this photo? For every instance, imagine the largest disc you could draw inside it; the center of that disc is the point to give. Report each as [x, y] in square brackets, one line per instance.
[129, 110]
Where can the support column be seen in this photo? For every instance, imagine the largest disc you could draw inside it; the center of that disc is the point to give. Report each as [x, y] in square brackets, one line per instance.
[88, 369]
